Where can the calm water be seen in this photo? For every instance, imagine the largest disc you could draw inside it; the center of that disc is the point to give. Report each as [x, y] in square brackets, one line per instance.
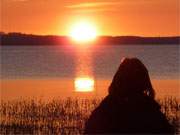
[163, 61]
[59, 71]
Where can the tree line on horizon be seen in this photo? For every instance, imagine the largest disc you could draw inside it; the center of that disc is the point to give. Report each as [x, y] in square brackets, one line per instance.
[30, 39]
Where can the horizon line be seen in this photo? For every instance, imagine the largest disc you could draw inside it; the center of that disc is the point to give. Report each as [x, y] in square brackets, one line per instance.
[1, 32]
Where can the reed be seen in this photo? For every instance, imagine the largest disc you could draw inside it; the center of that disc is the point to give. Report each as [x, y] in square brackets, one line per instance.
[60, 116]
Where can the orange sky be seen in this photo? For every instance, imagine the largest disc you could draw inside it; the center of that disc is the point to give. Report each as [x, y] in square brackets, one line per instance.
[112, 17]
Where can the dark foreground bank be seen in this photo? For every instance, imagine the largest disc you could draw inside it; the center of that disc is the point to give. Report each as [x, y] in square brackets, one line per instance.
[60, 116]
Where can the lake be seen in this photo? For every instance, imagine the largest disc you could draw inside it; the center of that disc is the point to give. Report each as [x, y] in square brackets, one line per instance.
[51, 71]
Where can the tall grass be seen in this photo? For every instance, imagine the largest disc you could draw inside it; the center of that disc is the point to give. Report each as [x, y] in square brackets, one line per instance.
[63, 116]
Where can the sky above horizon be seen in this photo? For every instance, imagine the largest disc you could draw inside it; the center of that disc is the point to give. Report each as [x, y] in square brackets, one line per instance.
[112, 17]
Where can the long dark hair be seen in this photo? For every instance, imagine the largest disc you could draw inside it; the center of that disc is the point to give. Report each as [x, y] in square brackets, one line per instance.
[131, 79]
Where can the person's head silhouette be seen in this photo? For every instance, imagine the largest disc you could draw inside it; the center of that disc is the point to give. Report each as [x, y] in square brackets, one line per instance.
[130, 106]
[131, 80]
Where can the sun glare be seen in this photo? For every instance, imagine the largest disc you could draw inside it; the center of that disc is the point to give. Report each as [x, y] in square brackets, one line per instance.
[83, 32]
[84, 84]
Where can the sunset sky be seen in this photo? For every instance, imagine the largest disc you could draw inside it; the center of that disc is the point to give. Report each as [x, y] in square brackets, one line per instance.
[111, 17]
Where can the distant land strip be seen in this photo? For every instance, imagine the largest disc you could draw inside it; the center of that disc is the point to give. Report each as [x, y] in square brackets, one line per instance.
[29, 39]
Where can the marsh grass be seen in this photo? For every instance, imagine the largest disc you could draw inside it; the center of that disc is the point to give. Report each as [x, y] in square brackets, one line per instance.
[60, 116]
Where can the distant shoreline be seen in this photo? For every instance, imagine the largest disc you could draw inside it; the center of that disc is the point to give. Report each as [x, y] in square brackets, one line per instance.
[11, 39]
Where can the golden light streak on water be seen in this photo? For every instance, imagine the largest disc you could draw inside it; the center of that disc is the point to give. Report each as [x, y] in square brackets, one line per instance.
[84, 80]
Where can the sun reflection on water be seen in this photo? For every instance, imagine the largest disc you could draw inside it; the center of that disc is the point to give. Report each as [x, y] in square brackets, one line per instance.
[84, 80]
[84, 84]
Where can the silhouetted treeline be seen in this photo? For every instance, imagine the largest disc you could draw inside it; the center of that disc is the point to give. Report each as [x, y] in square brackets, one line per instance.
[139, 40]
[24, 39]
[28, 39]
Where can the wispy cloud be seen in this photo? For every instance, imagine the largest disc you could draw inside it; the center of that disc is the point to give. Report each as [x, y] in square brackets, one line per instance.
[95, 10]
[19, 0]
[92, 4]
[107, 3]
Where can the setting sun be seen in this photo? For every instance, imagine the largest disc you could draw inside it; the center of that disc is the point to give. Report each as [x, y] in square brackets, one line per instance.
[83, 32]
[84, 84]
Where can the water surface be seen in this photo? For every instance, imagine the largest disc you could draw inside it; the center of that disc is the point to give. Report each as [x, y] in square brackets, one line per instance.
[50, 71]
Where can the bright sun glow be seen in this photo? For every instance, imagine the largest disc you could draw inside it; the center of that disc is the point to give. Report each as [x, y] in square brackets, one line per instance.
[83, 32]
[84, 84]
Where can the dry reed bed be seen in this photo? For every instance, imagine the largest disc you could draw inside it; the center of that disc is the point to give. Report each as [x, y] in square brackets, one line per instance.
[63, 116]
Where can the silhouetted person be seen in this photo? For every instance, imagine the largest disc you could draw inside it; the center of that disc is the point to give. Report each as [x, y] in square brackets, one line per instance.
[130, 106]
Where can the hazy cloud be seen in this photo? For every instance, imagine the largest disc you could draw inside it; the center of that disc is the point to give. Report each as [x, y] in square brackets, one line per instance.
[92, 4]
[95, 10]
[107, 3]
[19, 0]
